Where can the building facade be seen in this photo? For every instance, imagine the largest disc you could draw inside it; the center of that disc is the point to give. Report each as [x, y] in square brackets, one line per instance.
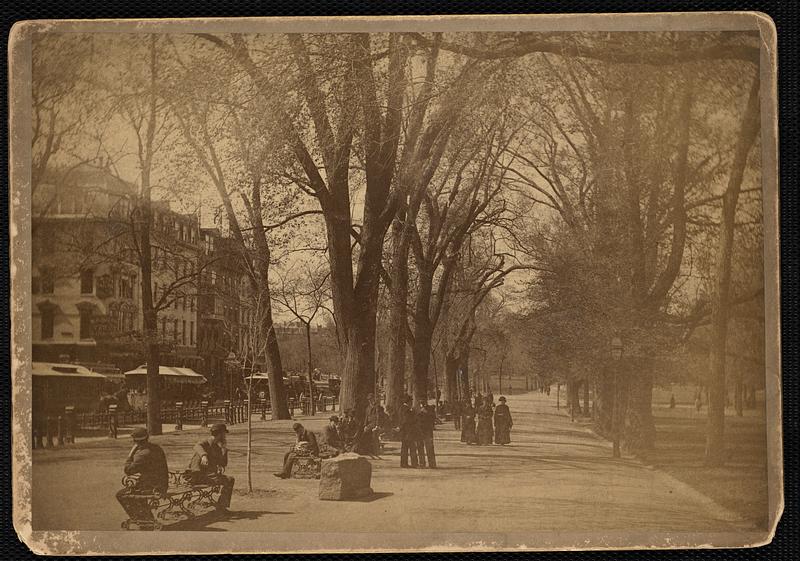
[86, 278]
[219, 308]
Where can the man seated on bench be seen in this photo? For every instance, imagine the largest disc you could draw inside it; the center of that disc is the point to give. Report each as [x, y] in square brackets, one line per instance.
[311, 446]
[209, 462]
[331, 439]
[147, 460]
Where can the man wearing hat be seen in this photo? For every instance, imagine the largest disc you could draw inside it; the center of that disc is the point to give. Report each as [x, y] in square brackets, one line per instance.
[147, 460]
[306, 444]
[331, 438]
[209, 462]
[409, 434]
[369, 443]
[502, 423]
[349, 429]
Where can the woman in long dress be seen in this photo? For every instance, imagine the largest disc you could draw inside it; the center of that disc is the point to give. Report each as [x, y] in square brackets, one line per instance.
[468, 423]
[485, 424]
[502, 423]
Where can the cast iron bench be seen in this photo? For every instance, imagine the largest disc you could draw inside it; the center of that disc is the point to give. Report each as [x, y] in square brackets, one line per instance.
[182, 501]
[307, 466]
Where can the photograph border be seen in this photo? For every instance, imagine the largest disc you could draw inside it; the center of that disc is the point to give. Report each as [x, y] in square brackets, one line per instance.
[119, 542]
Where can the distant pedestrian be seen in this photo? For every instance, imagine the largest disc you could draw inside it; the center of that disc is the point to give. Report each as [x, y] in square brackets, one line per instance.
[369, 443]
[427, 420]
[456, 411]
[484, 428]
[409, 435]
[672, 401]
[502, 423]
[698, 402]
[468, 423]
[147, 460]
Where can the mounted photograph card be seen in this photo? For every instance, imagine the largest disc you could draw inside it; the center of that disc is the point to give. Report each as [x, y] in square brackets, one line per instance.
[364, 284]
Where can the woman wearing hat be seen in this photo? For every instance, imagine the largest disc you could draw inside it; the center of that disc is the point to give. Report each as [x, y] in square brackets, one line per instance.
[484, 428]
[502, 423]
[468, 423]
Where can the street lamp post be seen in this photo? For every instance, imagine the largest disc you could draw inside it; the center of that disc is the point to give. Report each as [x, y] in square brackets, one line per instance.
[616, 356]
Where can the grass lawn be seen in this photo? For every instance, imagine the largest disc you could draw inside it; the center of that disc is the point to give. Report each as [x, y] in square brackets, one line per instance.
[741, 484]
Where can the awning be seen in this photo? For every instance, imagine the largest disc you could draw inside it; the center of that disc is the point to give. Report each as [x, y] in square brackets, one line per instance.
[173, 373]
[61, 370]
[114, 377]
[258, 376]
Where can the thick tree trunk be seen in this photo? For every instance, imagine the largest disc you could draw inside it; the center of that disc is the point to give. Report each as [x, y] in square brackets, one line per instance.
[398, 319]
[422, 335]
[312, 403]
[640, 431]
[738, 396]
[250, 435]
[358, 378]
[605, 405]
[277, 390]
[450, 381]
[463, 369]
[720, 303]
[422, 359]
[153, 388]
[586, 406]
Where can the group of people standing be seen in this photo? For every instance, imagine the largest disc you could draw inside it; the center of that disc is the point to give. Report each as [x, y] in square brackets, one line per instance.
[416, 425]
[493, 421]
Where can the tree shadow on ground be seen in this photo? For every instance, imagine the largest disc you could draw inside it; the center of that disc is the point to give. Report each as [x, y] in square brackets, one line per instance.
[369, 498]
[201, 522]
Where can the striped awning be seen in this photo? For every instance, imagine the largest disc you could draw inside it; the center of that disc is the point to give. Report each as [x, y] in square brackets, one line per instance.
[173, 373]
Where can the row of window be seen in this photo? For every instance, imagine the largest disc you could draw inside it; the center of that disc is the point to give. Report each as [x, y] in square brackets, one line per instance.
[184, 302]
[48, 317]
[183, 332]
[124, 320]
[183, 232]
[107, 285]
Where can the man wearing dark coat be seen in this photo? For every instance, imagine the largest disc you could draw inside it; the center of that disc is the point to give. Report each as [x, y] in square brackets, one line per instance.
[409, 434]
[368, 443]
[303, 435]
[457, 415]
[209, 461]
[468, 423]
[147, 460]
[331, 438]
[349, 429]
[426, 417]
[502, 423]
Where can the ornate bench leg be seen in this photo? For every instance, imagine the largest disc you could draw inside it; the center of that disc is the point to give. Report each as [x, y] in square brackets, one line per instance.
[306, 468]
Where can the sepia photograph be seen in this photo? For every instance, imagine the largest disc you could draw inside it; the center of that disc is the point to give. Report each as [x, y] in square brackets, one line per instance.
[395, 284]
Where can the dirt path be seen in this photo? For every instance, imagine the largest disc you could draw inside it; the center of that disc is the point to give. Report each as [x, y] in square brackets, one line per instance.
[554, 476]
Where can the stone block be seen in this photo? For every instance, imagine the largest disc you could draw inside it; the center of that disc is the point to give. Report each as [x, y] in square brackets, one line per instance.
[344, 477]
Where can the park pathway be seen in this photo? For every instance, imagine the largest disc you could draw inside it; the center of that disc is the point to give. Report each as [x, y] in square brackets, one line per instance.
[555, 476]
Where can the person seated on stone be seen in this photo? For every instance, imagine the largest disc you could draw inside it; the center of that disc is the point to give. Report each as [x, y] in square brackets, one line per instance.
[209, 461]
[147, 460]
[331, 440]
[305, 445]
